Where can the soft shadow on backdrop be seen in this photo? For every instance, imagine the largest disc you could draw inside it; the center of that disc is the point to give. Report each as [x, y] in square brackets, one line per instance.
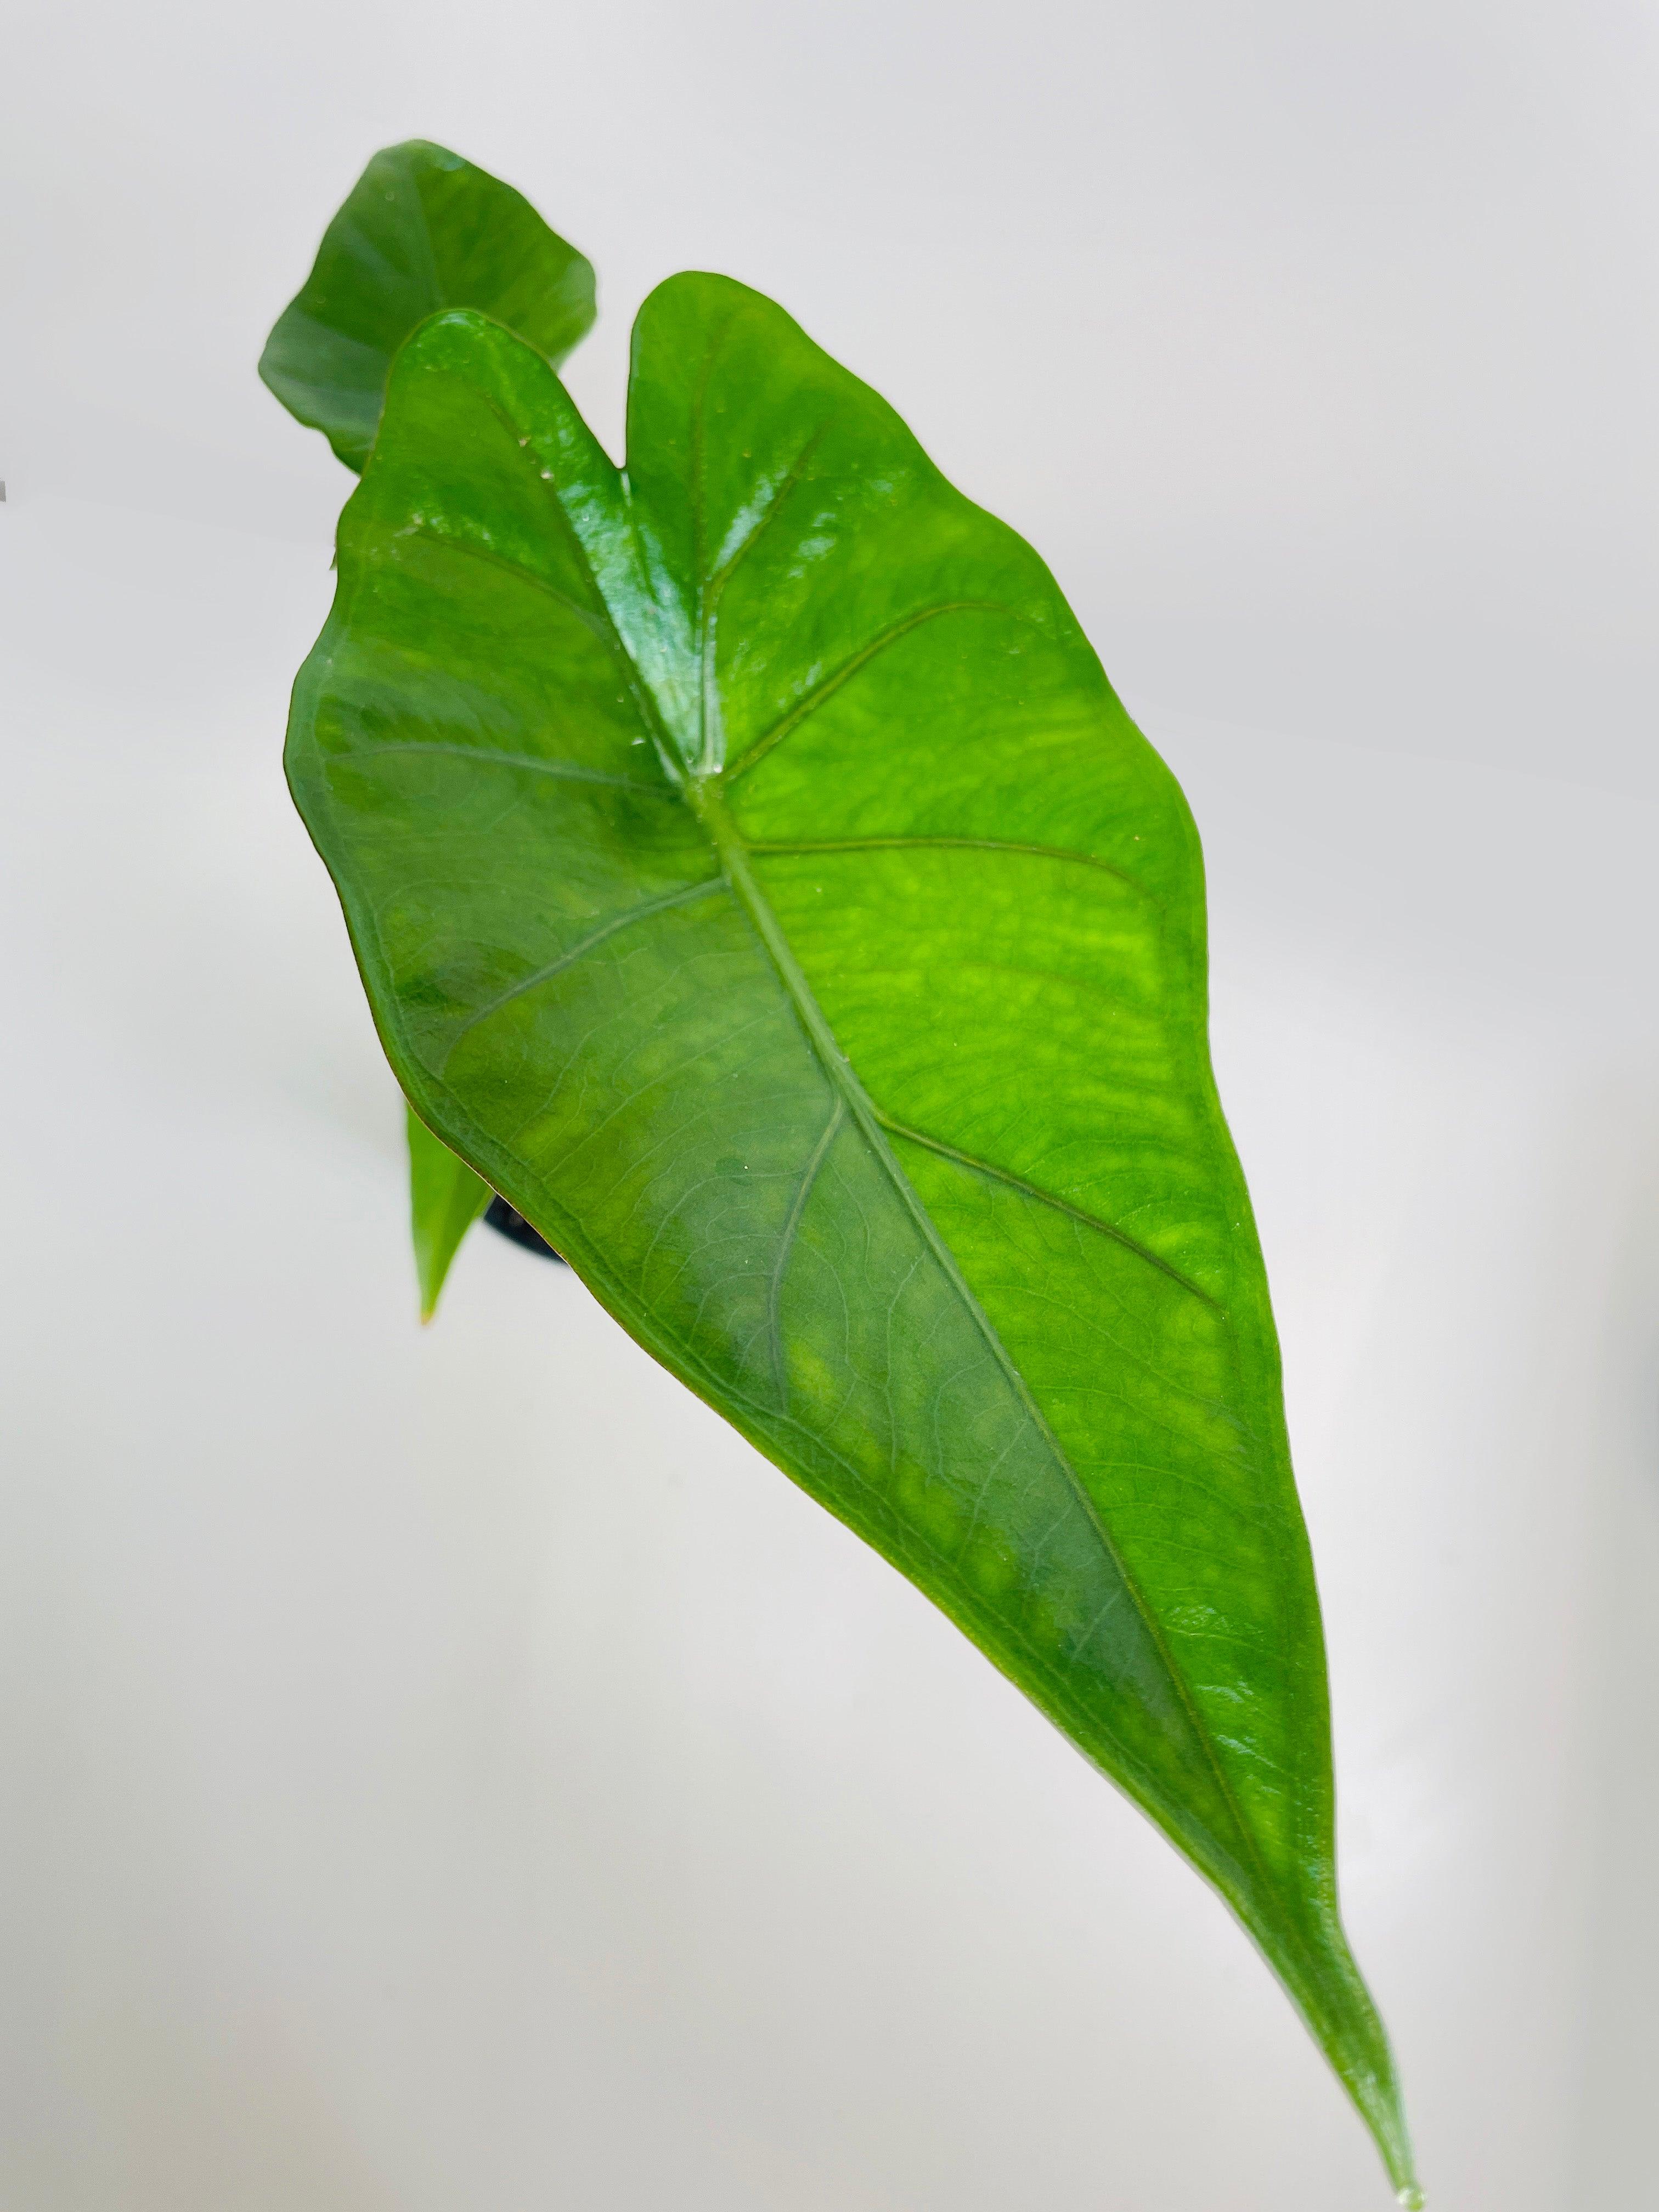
[449, 1768]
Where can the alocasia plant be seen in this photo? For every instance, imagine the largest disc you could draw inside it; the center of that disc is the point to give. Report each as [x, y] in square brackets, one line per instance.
[757, 883]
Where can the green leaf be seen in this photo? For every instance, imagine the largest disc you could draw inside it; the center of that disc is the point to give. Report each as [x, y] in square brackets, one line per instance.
[445, 1199]
[422, 229]
[755, 879]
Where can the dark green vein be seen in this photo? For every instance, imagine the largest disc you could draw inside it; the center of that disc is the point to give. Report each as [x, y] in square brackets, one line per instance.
[989, 1170]
[832, 683]
[786, 1245]
[644, 703]
[712, 726]
[588, 944]
[786, 484]
[708, 801]
[598, 623]
[568, 770]
[790, 847]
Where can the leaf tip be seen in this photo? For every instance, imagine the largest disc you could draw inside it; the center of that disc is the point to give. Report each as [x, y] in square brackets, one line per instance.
[1411, 2197]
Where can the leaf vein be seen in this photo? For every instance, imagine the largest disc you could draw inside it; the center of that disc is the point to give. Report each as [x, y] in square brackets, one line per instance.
[1006, 1175]
[568, 771]
[820, 692]
[588, 944]
[790, 847]
[590, 621]
[729, 845]
[786, 1245]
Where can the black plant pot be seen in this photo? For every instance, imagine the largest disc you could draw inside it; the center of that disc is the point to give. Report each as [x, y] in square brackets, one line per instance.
[513, 1225]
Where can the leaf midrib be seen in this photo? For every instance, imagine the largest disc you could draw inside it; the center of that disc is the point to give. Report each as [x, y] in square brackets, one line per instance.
[706, 796]
[708, 801]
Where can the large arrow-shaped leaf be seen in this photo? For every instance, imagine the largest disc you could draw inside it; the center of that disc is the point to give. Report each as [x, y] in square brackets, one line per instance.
[757, 880]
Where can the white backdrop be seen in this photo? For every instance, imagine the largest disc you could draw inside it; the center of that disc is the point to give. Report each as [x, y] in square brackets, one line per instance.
[449, 1769]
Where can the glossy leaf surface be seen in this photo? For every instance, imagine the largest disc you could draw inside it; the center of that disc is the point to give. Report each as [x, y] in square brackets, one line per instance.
[445, 1199]
[755, 879]
[422, 229]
